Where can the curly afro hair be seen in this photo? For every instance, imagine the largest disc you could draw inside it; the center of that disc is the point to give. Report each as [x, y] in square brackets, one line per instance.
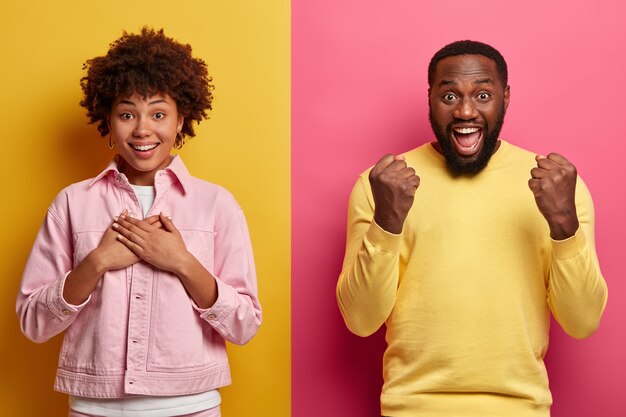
[146, 64]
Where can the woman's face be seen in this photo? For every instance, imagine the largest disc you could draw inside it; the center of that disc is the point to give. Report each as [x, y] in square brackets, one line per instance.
[144, 130]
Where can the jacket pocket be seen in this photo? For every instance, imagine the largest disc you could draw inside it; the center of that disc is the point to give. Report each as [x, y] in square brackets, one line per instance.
[201, 244]
[84, 243]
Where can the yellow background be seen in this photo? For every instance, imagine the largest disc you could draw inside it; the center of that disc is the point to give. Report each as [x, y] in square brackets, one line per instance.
[244, 146]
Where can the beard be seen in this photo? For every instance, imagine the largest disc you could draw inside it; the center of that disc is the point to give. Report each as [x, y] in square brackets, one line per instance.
[456, 165]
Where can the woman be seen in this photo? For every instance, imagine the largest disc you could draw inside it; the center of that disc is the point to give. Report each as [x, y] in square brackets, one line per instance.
[146, 268]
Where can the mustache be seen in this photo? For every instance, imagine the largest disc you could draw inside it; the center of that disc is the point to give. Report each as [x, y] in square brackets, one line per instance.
[455, 165]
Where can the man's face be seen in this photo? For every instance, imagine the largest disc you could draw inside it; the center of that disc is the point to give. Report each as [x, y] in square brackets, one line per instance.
[467, 105]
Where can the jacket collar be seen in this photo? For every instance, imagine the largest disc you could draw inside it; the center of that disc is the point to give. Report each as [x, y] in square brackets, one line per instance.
[176, 169]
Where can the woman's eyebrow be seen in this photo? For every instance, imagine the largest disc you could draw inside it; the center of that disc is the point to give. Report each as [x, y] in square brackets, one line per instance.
[158, 101]
[130, 102]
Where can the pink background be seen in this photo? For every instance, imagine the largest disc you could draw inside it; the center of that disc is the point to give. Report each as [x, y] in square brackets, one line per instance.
[359, 91]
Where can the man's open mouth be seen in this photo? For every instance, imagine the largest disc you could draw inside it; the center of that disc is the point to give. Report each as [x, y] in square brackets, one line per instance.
[467, 140]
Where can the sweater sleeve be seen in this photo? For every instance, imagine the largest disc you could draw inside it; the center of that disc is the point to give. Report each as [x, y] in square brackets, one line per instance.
[236, 314]
[40, 306]
[367, 285]
[577, 292]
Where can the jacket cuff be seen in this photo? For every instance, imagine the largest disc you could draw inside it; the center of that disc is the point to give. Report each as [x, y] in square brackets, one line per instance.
[570, 247]
[57, 304]
[219, 311]
[382, 239]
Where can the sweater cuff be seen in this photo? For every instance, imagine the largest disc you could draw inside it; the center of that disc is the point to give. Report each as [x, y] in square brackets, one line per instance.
[572, 246]
[382, 239]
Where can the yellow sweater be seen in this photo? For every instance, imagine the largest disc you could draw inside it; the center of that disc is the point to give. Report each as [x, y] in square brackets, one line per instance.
[465, 291]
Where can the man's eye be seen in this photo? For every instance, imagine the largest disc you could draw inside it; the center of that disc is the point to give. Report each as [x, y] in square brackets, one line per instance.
[484, 96]
[449, 97]
[159, 115]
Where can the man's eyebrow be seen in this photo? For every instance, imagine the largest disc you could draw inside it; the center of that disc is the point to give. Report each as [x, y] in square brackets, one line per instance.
[448, 82]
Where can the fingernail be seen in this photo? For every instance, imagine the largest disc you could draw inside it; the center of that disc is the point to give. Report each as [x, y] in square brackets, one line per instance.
[115, 219]
[115, 225]
[120, 237]
[122, 217]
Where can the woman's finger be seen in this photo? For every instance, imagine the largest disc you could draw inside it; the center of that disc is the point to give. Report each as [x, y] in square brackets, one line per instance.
[139, 227]
[137, 249]
[167, 223]
[124, 229]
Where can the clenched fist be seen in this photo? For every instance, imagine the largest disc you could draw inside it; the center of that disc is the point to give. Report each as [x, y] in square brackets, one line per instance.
[393, 186]
[553, 183]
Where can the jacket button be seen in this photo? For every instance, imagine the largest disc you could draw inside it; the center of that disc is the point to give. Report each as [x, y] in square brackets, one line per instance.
[66, 312]
[211, 317]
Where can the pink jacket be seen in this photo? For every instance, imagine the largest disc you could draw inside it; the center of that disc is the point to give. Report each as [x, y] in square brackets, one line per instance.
[139, 332]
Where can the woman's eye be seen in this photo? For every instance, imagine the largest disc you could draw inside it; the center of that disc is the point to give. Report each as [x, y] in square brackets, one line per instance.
[159, 115]
[126, 116]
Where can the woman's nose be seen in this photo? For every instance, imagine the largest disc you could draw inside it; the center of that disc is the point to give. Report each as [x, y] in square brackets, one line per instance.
[142, 128]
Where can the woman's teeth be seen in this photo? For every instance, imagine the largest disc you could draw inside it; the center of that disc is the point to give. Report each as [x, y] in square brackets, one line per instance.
[144, 147]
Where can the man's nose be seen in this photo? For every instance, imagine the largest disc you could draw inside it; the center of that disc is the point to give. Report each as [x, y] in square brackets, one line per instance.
[466, 110]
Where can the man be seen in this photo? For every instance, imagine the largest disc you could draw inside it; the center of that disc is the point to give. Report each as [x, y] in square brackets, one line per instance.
[462, 247]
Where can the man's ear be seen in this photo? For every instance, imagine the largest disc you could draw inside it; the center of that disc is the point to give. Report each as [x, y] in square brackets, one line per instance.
[507, 96]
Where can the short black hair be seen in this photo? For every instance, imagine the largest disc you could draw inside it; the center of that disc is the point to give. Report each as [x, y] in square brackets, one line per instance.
[468, 47]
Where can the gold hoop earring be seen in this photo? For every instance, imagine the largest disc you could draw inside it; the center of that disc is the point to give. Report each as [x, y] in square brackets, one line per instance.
[111, 143]
[179, 141]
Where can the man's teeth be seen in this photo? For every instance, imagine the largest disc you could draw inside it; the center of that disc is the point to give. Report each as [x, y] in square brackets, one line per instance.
[144, 147]
[466, 130]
